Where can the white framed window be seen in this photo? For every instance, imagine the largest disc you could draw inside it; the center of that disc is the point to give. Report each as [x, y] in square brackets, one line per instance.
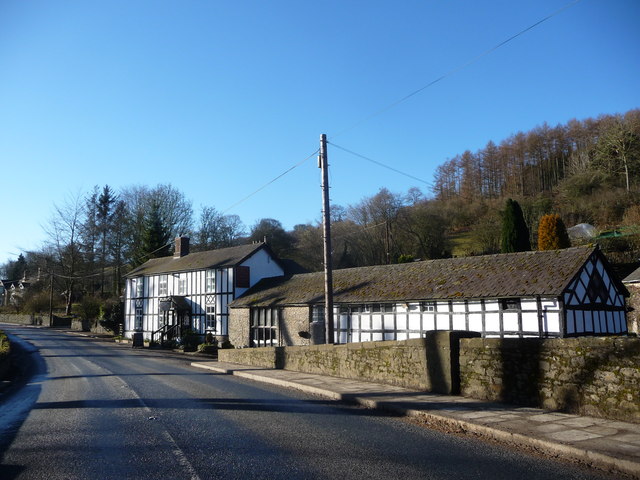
[163, 286]
[140, 287]
[210, 281]
[182, 286]
[428, 306]
[210, 323]
[138, 319]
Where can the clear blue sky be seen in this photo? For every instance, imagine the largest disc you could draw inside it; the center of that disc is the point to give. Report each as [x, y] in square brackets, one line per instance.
[219, 97]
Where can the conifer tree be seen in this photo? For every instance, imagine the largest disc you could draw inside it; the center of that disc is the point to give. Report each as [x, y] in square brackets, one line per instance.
[552, 233]
[154, 241]
[515, 234]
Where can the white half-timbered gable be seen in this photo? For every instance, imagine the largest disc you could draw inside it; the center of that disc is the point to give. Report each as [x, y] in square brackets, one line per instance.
[556, 293]
[166, 295]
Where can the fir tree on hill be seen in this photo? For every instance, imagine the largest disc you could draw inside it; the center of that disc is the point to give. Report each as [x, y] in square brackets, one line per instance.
[515, 234]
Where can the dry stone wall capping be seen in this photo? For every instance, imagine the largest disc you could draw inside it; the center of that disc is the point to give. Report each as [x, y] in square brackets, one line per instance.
[597, 376]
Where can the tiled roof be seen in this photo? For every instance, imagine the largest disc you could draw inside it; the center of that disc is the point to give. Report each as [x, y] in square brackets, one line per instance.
[223, 257]
[488, 276]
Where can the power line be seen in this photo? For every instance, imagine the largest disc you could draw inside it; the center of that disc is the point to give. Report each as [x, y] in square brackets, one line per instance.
[363, 229]
[403, 99]
[456, 69]
[429, 184]
[270, 182]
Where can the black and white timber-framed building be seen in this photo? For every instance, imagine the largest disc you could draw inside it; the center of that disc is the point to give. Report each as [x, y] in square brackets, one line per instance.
[165, 296]
[559, 293]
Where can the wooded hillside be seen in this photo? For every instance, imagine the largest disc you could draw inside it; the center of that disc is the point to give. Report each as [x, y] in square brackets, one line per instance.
[585, 171]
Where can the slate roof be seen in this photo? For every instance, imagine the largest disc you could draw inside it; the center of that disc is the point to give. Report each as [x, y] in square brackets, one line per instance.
[487, 276]
[220, 258]
[633, 277]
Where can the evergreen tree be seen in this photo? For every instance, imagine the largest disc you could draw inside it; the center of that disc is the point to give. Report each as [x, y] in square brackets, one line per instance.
[155, 236]
[515, 234]
[552, 234]
[16, 269]
[104, 215]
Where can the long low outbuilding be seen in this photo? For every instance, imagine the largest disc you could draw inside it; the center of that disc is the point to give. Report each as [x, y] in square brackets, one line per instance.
[558, 293]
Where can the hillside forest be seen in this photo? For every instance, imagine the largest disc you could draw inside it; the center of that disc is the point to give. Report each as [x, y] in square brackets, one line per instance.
[585, 171]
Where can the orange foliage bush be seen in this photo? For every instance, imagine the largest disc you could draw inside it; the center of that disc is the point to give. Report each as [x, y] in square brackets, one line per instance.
[552, 234]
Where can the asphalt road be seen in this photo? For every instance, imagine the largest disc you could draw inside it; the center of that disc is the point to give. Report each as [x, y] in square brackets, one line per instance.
[91, 410]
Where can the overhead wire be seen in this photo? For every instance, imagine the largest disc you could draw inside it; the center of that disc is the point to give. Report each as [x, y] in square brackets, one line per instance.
[270, 182]
[429, 184]
[456, 69]
[402, 100]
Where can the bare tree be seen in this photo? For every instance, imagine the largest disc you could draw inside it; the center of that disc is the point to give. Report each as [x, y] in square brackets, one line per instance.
[63, 232]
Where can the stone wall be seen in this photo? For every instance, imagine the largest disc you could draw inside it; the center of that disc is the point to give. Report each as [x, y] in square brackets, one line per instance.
[428, 363]
[598, 376]
[92, 326]
[633, 315]
[24, 319]
[265, 357]
[239, 327]
[294, 326]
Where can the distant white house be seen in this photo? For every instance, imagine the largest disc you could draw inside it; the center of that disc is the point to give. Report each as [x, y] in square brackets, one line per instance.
[167, 295]
[559, 293]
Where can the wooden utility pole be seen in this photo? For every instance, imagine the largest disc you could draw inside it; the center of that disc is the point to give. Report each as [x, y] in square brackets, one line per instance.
[326, 233]
[51, 300]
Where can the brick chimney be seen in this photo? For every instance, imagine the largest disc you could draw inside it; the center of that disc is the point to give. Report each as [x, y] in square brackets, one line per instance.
[182, 247]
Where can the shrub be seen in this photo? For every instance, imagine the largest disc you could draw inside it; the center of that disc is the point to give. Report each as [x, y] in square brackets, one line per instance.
[89, 308]
[189, 340]
[36, 303]
[552, 234]
[5, 346]
[112, 315]
[208, 348]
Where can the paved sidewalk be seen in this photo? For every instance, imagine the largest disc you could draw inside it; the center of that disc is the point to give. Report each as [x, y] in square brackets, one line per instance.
[607, 444]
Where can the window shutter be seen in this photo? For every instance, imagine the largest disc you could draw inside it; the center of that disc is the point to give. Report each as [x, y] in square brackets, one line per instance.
[242, 277]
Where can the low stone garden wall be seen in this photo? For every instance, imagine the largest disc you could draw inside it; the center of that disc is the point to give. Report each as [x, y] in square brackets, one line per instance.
[597, 376]
[24, 319]
[428, 363]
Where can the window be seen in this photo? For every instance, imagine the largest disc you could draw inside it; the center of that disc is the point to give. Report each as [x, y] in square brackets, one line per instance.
[138, 322]
[211, 318]
[182, 286]
[243, 277]
[428, 306]
[163, 288]
[596, 289]
[210, 281]
[510, 304]
[413, 307]
[317, 314]
[264, 327]
[140, 287]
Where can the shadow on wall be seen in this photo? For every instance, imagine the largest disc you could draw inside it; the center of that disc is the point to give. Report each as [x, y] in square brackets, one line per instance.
[596, 376]
[442, 349]
[520, 374]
